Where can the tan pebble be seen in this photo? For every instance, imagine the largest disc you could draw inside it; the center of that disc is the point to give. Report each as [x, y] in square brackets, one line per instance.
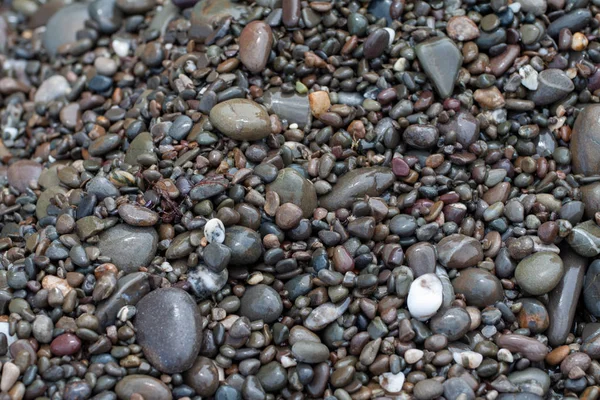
[10, 374]
[489, 98]
[319, 102]
[579, 42]
[51, 282]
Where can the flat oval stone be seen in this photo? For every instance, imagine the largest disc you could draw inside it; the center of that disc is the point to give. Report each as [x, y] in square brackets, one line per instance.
[585, 239]
[533, 315]
[585, 141]
[52, 88]
[137, 215]
[245, 245]
[421, 136]
[376, 43]
[421, 258]
[294, 188]
[255, 44]
[539, 273]
[148, 387]
[141, 145]
[118, 242]
[261, 302]
[168, 326]
[353, 185]
[526, 377]
[65, 345]
[553, 85]
[310, 352]
[466, 127]
[241, 119]
[459, 251]
[21, 172]
[479, 287]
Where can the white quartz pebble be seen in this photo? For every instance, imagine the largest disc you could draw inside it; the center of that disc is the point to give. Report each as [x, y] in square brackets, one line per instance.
[425, 296]
[214, 231]
[391, 383]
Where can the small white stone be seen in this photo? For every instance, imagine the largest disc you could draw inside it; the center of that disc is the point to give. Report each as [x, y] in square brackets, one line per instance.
[413, 356]
[121, 47]
[391, 383]
[529, 77]
[166, 267]
[392, 35]
[214, 231]
[10, 133]
[294, 126]
[10, 374]
[505, 355]
[468, 359]
[288, 362]
[401, 65]
[425, 296]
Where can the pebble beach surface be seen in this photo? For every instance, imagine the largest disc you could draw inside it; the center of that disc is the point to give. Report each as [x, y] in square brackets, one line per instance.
[298, 199]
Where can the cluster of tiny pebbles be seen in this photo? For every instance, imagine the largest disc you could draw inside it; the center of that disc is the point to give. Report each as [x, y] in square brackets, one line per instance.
[299, 199]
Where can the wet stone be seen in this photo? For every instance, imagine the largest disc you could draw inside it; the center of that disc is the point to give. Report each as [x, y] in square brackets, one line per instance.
[480, 287]
[63, 26]
[241, 119]
[22, 173]
[539, 273]
[117, 241]
[148, 387]
[256, 40]
[585, 142]
[459, 251]
[169, 329]
[294, 188]
[453, 323]
[553, 85]
[261, 302]
[440, 59]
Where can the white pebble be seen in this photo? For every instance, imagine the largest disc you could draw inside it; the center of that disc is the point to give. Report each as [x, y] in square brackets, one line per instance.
[121, 47]
[505, 355]
[468, 359]
[515, 7]
[425, 296]
[529, 77]
[392, 35]
[413, 356]
[214, 231]
[401, 65]
[391, 383]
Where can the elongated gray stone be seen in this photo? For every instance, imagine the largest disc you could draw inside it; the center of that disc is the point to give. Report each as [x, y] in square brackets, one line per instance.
[63, 26]
[585, 141]
[563, 299]
[441, 60]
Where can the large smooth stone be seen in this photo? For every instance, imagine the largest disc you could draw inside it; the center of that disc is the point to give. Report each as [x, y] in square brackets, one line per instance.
[53, 88]
[255, 43]
[142, 144]
[261, 302]
[245, 245]
[440, 59]
[563, 299]
[354, 185]
[526, 377]
[585, 141]
[479, 287]
[294, 188]
[459, 251]
[452, 322]
[130, 289]
[148, 387]
[241, 119]
[63, 26]
[539, 273]
[169, 329]
[129, 247]
[591, 289]
[22, 172]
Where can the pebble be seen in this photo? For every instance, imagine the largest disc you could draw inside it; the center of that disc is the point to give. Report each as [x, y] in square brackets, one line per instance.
[479, 287]
[136, 215]
[53, 88]
[528, 347]
[22, 173]
[62, 27]
[148, 387]
[261, 302]
[584, 141]
[169, 329]
[241, 119]
[425, 296]
[539, 273]
[117, 241]
[203, 377]
[553, 85]
[462, 28]
[256, 41]
[310, 352]
[392, 383]
[459, 251]
[441, 60]
[371, 181]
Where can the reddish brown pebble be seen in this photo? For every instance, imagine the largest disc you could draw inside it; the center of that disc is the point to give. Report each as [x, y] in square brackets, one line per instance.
[65, 345]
